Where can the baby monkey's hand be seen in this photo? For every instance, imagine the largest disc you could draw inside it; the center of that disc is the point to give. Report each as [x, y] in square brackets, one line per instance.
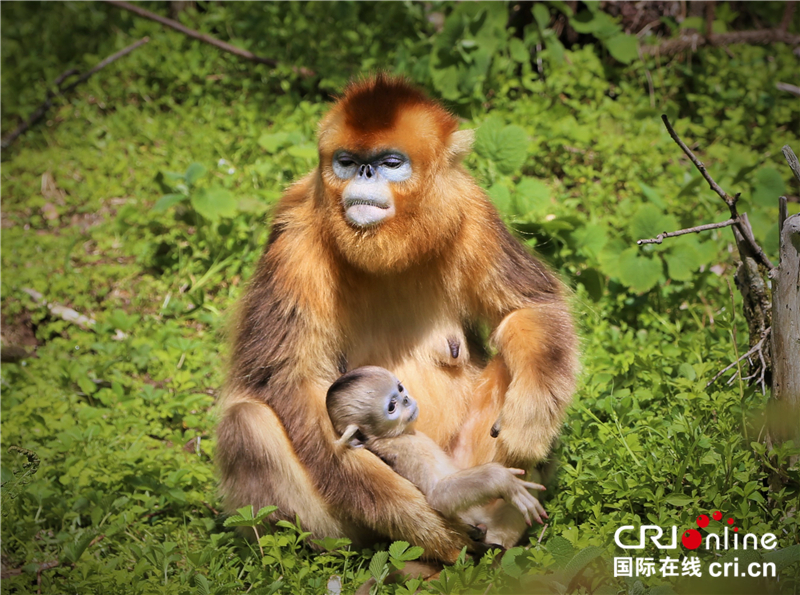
[517, 494]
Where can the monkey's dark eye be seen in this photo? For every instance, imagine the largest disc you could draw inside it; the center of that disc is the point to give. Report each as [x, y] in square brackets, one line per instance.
[345, 161]
[400, 387]
[392, 406]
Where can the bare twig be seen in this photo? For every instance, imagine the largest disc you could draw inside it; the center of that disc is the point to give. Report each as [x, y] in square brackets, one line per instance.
[542, 533]
[671, 234]
[63, 312]
[48, 103]
[757, 348]
[758, 253]
[218, 43]
[692, 41]
[729, 200]
[791, 158]
[788, 13]
[793, 89]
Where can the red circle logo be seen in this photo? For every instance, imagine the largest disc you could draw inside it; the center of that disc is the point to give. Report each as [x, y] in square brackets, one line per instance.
[691, 539]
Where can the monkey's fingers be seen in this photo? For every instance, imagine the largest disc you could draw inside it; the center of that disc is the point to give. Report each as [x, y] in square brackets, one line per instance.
[533, 486]
[516, 471]
[540, 509]
[520, 504]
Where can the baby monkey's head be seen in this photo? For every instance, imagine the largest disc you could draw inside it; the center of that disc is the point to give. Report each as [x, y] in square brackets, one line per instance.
[370, 402]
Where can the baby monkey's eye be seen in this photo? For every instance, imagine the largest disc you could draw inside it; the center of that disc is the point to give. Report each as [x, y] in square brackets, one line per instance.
[392, 406]
[400, 387]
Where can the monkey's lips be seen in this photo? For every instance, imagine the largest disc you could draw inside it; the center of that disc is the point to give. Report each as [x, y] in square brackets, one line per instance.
[366, 212]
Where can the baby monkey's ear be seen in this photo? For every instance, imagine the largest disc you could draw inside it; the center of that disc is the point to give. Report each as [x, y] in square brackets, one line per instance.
[351, 437]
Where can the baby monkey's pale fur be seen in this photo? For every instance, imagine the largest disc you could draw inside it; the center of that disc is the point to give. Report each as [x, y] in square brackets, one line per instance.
[370, 408]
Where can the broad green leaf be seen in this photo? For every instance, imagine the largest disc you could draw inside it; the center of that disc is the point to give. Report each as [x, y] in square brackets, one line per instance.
[519, 53]
[265, 512]
[307, 151]
[682, 262]
[623, 48]
[509, 562]
[561, 550]
[594, 282]
[532, 196]
[542, 15]
[653, 196]
[648, 222]
[213, 203]
[201, 584]
[679, 500]
[639, 272]
[501, 197]
[397, 548]
[687, 371]
[783, 557]
[609, 257]
[768, 186]
[377, 564]
[272, 142]
[194, 172]
[507, 146]
[167, 201]
[582, 559]
[590, 239]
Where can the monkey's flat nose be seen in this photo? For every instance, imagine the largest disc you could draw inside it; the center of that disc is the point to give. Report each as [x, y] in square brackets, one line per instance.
[366, 171]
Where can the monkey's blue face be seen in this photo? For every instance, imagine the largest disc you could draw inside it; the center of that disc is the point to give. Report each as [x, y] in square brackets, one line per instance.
[400, 407]
[368, 199]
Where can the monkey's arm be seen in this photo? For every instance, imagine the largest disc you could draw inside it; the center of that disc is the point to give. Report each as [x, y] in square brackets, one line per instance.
[537, 345]
[448, 489]
[478, 485]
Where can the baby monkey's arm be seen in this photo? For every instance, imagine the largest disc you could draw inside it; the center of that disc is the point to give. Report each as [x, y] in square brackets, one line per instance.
[478, 485]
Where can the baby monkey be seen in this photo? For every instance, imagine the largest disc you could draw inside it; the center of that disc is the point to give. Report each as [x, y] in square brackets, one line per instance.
[370, 408]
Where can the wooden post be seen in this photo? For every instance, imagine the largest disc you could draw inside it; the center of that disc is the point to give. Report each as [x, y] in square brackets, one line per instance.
[785, 415]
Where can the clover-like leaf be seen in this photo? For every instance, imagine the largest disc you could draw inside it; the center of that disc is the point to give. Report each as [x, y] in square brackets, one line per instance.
[213, 203]
[637, 271]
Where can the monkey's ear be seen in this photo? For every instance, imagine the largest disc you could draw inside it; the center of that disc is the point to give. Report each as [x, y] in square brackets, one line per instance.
[350, 438]
[460, 144]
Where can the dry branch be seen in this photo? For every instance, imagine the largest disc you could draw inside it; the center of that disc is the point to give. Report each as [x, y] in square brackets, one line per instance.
[740, 223]
[793, 89]
[671, 234]
[63, 312]
[218, 43]
[48, 103]
[692, 41]
[757, 348]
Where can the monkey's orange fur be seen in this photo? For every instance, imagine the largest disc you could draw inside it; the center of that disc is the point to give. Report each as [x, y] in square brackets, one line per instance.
[327, 297]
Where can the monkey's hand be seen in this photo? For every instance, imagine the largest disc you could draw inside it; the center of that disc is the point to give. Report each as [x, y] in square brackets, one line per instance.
[538, 346]
[517, 493]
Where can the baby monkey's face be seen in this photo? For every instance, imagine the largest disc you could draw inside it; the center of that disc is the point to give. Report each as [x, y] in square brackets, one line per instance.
[398, 408]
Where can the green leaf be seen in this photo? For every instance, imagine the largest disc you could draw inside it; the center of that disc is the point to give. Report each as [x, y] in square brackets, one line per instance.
[194, 172]
[213, 203]
[378, 564]
[519, 53]
[682, 262]
[272, 142]
[307, 151]
[501, 197]
[582, 560]
[509, 562]
[397, 548]
[623, 48]
[264, 512]
[533, 196]
[594, 282]
[679, 500]
[768, 186]
[590, 239]
[561, 550]
[648, 222]
[639, 272]
[653, 196]
[542, 15]
[201, 584]
[507, 146]
[167, 201]
[783, 557]
[687, 371]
